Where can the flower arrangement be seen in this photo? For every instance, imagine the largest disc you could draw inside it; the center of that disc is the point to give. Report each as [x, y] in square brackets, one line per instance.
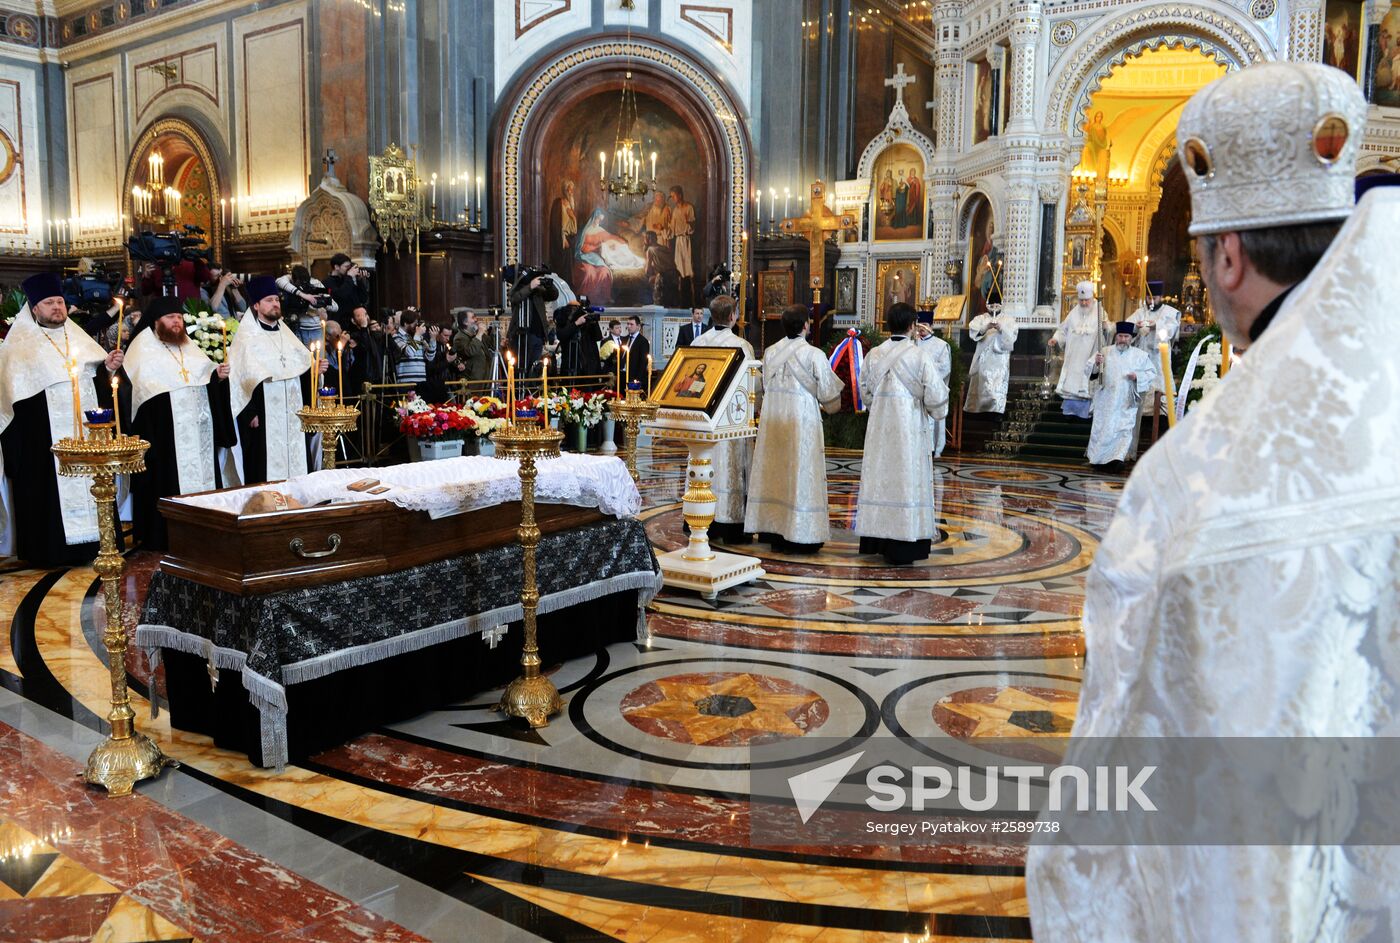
[488, 412]
[580, 408]
[210, 332]
[1206, 376]
[444, 421]
[9, 309]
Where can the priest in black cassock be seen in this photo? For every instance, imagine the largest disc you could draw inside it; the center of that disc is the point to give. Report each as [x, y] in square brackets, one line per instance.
[179, 404]
[50, 520]
[269, 380]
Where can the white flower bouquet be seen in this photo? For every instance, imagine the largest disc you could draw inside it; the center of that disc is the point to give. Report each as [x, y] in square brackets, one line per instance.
[211, 333]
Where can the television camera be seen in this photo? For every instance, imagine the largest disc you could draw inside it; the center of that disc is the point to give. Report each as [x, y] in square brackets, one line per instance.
[94, 289]
[169, 249]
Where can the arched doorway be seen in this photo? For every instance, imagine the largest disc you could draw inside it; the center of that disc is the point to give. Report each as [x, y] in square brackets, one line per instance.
[187, 168]
[1129, 128]
[594, 72]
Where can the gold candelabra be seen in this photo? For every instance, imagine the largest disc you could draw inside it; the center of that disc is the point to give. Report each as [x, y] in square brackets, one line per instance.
[330, 421]
[126, 757]
[532, 695]
[632, 412]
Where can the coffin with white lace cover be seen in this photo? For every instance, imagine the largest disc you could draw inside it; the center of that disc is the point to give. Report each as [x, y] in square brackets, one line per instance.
[431, 510]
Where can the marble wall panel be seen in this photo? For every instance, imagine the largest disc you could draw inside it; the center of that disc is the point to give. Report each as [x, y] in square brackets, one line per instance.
[21, 212]
[97, 155]
[272, 106]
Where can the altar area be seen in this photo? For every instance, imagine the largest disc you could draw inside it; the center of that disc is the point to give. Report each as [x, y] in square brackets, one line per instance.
[286, 632]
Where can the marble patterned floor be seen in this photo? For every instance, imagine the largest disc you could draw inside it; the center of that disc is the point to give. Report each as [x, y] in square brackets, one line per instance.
[627, 817]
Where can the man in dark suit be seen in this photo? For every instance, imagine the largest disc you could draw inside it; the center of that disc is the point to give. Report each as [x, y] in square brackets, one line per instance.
[638, 349]
[694, 329]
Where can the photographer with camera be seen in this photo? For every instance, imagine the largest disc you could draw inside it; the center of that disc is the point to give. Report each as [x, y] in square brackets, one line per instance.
[305, 302]
[720, 277]
[531, 299]
[579, 335]
[365, 339]
[470, 347]
[348, 285]
[414, 347]
[221, 292]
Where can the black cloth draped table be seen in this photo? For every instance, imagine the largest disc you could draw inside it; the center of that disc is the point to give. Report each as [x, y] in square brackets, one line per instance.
[283, 675]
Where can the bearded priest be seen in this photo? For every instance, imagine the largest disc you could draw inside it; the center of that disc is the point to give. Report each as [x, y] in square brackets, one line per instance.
[179, 404]
[50, 520]
[1120, 376]
[1081, 335]
[269, 380]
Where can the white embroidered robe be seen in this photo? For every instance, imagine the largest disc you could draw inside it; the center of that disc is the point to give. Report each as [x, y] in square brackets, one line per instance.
[154, 367]
[1118, 403]
[731, 459]
[274, 360]
[937, 350]
[1080, 335]
[989, 377]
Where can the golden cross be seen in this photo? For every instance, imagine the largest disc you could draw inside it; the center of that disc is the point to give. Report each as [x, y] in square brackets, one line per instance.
[815, 225]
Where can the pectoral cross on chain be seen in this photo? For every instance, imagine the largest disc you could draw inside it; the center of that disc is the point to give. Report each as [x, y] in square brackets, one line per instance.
[493, 636]
[184, 375]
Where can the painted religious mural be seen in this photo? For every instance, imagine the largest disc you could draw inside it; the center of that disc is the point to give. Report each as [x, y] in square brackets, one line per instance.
[629, 250]
[1343, 27]
[899, 193]
[982, 101]
[1385, 69]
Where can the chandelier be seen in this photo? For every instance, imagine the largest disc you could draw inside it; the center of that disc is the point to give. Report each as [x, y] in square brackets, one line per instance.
[154, 201]
[629, 163]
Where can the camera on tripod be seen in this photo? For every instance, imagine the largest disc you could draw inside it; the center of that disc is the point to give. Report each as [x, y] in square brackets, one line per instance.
[169, 249]
[94, 288]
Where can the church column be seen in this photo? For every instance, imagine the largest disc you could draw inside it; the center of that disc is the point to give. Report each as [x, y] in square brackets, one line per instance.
[1022, 150]
[1305, 31]
[948, 74]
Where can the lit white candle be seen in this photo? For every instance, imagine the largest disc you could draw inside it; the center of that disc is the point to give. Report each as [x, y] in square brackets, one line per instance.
[602, 166]
[653, 166]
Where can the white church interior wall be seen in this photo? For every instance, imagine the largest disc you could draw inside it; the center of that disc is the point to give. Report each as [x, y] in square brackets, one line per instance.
[97, 142]
[525, 27]
[200, 58]
[22, 210]
[271, 107]
[717, 32]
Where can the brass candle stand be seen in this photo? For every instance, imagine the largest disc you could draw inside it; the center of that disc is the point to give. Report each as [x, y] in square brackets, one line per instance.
[330, 421]
[126, 757]
[532, 695]
[632, 412]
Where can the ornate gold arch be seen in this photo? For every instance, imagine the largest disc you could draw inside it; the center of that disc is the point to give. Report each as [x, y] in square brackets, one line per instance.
[197, 141]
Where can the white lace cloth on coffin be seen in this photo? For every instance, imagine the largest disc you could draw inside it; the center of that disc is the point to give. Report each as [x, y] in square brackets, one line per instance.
[457, 485]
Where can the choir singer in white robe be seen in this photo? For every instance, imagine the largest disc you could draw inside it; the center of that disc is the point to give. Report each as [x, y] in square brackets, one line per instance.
[1121, 375]
[270, 379]
[895, 513]
[731, 459]
[1246, 586]
[989, 377]
[787, 505]
[1081, 335]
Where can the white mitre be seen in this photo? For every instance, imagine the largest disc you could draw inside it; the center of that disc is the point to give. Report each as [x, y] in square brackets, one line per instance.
[1085, 291]
[1272, 145]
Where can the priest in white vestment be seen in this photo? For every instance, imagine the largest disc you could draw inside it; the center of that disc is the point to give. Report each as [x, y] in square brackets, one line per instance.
[1120, 376]
[989, 377]
[1247, 584]
[270, 379]
[937, 350]
[1080, 335]
[901, 386]
[731, 459]
[179, 404]
[1156, 321]
[787, 502]
[50, 520]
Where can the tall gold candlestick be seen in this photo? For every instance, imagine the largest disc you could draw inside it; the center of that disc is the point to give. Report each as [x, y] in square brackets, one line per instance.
[1164, 351]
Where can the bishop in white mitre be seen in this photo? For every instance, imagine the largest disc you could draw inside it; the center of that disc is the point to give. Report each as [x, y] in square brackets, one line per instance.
[901, 386]
[1080, 336]
[787, 502]
[1120, 375]
[989, 377]
[180, 405]
[270, 379]
[731, 458]
[50, 520]
[1247, 584]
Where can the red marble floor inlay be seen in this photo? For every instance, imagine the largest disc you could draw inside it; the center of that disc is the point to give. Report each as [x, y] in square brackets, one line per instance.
[801, 602]
[925, 604]
[724, 709]
[189, 874]
[636, 809]
[1038, 600]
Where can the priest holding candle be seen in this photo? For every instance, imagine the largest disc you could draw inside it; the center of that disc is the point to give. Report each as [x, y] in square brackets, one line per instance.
[49, 520]
[1119, 377]
[270, 379]
[179, 404]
